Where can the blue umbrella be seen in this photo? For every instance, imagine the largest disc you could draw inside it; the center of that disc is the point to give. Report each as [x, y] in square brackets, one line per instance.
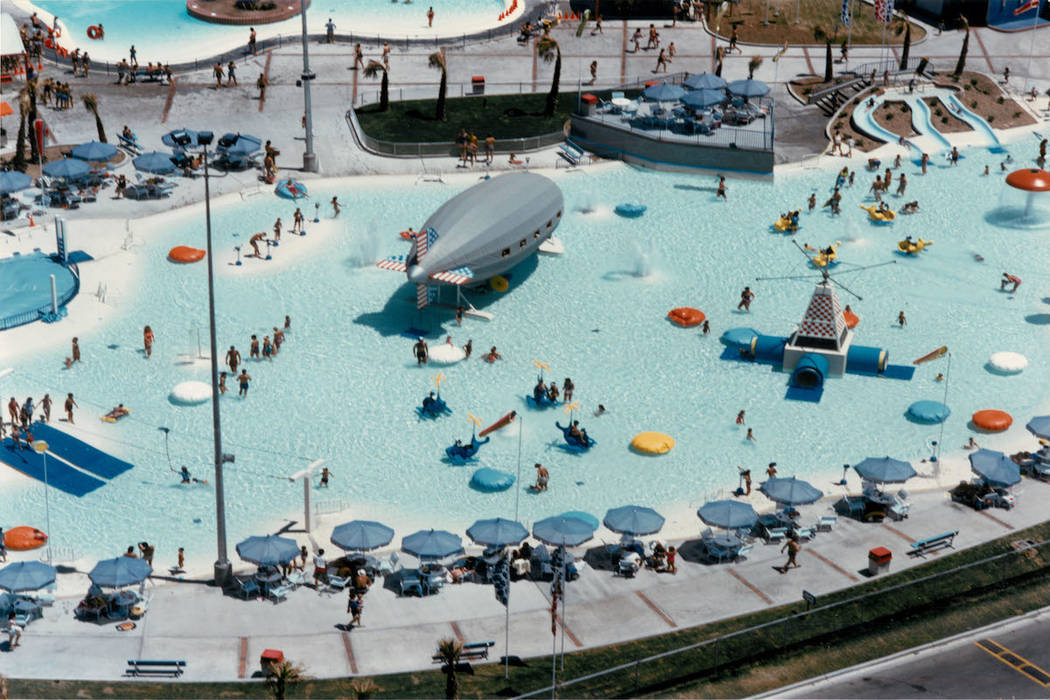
[791, 491]
[633, 520]
[498, 532]
[663, 92]
[168, 139]
[748, 88]
[585, 517]
[94, 151]
[884, 470]
[268, 550]
[154, 162]
[432, 544]
[243, 144]
[561, 531]
[728, 514]
[67, 167]
[26, 576]
[704, 81]
[120, 572]
[704, 98]
[362, 535]
[995, 467]
[1040, 427]
[13, 181]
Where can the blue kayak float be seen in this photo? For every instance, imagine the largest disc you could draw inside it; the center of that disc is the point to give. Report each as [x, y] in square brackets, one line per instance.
[291, 189]
[928, 412]
[629, 210]
[491, 480]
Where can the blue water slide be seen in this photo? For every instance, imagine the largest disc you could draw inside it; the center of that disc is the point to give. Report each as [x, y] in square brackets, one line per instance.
[978, 124]
[862, 117]
[922, 120]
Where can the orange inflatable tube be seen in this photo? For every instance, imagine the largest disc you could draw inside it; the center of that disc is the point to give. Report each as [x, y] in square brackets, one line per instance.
[185, 254]
[24, 537]
[94, 32]
[992, 420]
[851, 319]
[504, 421]
[686, 316]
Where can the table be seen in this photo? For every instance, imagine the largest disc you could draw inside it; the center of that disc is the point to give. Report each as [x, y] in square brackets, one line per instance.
[31, 609]
[121, 602]
[620, 102]
[268, 579]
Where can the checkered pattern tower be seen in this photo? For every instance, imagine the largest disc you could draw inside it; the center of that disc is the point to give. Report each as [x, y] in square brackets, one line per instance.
[823, 331]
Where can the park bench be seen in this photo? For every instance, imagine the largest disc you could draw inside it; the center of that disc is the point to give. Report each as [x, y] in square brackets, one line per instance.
[930, 544]
[152, 667]
[472, 651]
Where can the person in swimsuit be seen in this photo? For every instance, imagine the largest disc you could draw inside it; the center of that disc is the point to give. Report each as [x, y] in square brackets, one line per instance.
[233, 359]
[277, 230]
[267, 349]
[147, 341]
[542, 477]
[70, 405]
[254, 242]
[297, 221]
[45, 403]
[746, 298]
[222, 382]
[420, 350]
[253, 348]
[567, 388]
[243, 378]
[76, 350]
[539, 391]
[492, 356]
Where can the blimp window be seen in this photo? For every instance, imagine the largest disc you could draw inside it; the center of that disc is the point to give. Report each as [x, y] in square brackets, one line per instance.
[550, 223]
[558, 215]
[523, 242]
[536, 233]
[504, 253]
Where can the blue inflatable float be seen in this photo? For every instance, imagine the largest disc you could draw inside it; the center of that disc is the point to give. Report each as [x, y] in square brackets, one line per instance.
[928, 412]
[629, 210]
[491, 480]
[433, 407]
[460, 453]
[574, 443]
[539, 400]
[291, 189]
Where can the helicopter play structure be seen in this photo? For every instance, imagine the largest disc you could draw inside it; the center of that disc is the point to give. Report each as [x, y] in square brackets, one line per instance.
[822, 346]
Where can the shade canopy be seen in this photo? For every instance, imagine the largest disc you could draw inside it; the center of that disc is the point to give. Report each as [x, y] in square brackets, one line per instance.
[995, 468]
[268, 550]
[26, 576]
[154, 162]
[497, 532]
[704, 81]
[561, 531]
[94, 151]
[791, 491]
[240, 144]
[704, 98]
[66, 167]
[728, 514]
[585, 517]
[1040, 427]
[885, 470]
[13, 181]
[361, 535]
[664, 92]
[1030, 180]
[120, 572]
[432, 544]
[748, 88]
[5, 109]
[633, 520]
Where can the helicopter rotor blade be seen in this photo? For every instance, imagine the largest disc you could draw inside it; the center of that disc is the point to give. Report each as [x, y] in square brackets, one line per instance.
[845, 288]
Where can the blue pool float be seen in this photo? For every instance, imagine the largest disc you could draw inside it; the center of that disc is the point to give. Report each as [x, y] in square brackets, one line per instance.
[536, 400]
[491, 480]
[573, 443]
[928, 412]
[740, 337]
[630, 211]
[461, 454]
[291, 189]
[433, 407]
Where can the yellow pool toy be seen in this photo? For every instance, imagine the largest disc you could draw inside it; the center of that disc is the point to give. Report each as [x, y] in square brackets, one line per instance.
[823, 259]
[913, 247]
[652, 443]
[881, 216]
[499, 283]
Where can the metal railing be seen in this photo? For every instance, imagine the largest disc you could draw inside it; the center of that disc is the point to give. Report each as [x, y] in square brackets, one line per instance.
[400, 149]
[20, 319]
[1027, 558]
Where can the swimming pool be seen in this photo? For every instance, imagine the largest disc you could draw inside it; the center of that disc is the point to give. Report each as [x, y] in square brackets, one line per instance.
[25, 287]
[163, 31]
[345, 386]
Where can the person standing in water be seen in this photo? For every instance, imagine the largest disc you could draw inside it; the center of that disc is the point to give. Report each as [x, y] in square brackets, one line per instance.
[297, 221]
[722, 188]
[70, 405]
[147, 341]
[243, 378]
[233, 359]
[746, 298]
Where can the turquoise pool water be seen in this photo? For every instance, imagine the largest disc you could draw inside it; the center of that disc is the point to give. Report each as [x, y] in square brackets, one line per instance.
[162, 30]
[345, 386]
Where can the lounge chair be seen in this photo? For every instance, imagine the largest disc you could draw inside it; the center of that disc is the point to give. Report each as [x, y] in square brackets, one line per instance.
[335, 581]
[245, 587]
[743, 552]
[279, 593]
[389, 565]
[411, 582]
[826, 523]
[295, 579]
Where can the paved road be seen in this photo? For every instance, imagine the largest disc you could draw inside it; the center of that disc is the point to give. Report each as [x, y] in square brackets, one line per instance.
[1009, 662]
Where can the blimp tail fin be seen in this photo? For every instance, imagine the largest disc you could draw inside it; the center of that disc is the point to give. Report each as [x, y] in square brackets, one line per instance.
[460, 275]
[395, 263]
[424, 239]
[423, 294]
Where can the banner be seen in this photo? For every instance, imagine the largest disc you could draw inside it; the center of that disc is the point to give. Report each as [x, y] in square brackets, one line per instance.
[38, 130]
[845, 17]
[883, 10]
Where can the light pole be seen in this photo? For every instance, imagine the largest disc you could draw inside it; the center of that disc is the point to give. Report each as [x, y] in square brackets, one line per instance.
[309, 157]
[41, 447]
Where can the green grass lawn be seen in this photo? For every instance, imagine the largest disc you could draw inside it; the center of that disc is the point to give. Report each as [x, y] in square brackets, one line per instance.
[749, 16]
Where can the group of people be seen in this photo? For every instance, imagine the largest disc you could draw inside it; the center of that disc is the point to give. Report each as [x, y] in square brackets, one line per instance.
[550, 392]
[468, 145]
[61, 92]
[258, 351]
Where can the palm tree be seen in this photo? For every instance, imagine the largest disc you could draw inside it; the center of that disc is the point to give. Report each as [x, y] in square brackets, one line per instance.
[449, 650]
[372, 70]
[437, 62]
[752, 66]
[960, 65]
[19, 162]
[907, 45]
[34, 146]
[363, 688]
[91, 104]
[281, 675]
[821, 34]
[550, 51]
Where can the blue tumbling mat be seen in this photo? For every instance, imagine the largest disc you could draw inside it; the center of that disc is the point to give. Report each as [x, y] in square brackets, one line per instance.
[59, 474]
[80, 453]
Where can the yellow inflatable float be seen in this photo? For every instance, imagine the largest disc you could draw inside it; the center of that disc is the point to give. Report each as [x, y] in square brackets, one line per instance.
[499, 283]
[652, 443]
[826, 256]
[882, 216]
[912, 247]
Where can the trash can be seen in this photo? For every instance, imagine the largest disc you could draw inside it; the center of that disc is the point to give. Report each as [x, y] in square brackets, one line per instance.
[478, 83]
[269, 660]
[879, 561]
[588, 103]
[922, 65]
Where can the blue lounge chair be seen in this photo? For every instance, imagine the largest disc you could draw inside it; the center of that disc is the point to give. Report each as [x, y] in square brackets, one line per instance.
[245, 587]
[411, 582]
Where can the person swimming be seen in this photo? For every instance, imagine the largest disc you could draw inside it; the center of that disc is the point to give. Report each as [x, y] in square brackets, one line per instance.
[492, 355]
[600, 411]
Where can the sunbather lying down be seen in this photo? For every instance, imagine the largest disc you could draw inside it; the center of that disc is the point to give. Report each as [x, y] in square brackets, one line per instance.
[116, 414]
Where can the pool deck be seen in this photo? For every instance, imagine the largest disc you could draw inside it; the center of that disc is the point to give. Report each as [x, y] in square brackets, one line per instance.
[221, 637]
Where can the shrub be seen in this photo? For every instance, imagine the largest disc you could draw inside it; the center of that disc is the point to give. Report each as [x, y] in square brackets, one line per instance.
[944, 120]
[973, 104]
[889, 117]
[938, 111]
[1017, 115]
[990, 118]
[973, 81]
[806, 91]
[1000, 100]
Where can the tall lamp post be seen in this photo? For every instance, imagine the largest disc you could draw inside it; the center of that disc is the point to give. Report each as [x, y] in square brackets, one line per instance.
[223, 568]
[41, 447]
[309, 157]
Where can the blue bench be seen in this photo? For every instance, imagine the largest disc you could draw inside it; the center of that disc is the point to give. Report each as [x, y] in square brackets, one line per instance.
[150, 667]
[472, 651]
[930, 544]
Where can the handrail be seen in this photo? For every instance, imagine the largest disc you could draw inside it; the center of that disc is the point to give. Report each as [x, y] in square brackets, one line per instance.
[21, 319]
